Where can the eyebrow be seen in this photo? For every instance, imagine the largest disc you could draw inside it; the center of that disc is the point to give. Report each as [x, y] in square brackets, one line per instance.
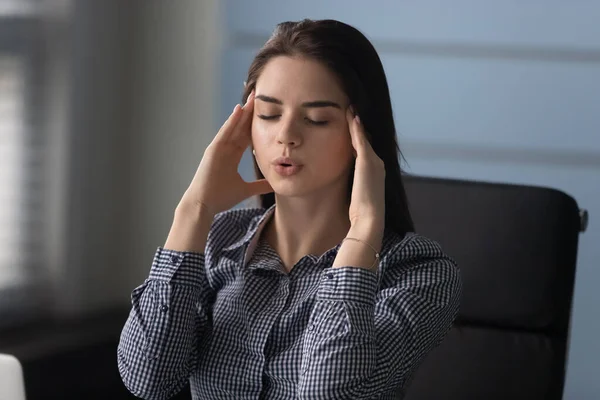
[310, 104]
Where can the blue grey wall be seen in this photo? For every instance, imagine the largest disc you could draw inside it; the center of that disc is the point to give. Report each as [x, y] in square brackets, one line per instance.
[500, 91]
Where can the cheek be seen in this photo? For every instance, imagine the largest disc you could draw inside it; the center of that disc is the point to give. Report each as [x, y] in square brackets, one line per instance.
[337, 145]
[260, 135]
[334, 154]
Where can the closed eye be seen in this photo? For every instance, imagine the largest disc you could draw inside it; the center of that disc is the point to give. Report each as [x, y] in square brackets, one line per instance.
[310, 121]
[318, 123]
[268, 117]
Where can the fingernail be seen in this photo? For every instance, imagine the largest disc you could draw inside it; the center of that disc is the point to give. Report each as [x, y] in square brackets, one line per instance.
[357, 118]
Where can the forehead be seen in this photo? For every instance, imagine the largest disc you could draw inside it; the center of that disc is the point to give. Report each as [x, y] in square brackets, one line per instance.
[294, 79]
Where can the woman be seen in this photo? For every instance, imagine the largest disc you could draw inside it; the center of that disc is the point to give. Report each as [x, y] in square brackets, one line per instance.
[324, 292]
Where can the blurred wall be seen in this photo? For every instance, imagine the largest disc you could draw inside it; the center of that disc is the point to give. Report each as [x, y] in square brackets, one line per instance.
[98, 62]
[141, 106]
[174, 100]
[498, 91]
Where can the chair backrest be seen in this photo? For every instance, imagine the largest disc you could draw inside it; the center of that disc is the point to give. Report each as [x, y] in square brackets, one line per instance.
[517, 249]
[12, 385]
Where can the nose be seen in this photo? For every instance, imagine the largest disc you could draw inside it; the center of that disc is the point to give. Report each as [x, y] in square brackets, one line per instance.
[288, 142]
[288, 134]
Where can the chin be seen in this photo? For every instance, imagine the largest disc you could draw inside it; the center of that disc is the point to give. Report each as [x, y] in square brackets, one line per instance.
[303, 186]
[299, 189]
[289, 189]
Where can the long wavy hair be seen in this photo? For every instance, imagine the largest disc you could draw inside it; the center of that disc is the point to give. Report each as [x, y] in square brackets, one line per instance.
[351, 56]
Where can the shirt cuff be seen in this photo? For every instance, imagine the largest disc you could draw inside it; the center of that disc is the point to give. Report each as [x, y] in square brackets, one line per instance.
[178, 267]
[350, 284]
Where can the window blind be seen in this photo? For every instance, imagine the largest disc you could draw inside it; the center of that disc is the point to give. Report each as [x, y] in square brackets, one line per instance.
[23, 271]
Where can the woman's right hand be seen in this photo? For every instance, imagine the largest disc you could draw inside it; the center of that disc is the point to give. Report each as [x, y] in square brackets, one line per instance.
[217, 186]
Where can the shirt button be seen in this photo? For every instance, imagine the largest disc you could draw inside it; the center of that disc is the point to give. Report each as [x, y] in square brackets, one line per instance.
[311, 328]
[329, 276]
[175, 259]
[164, 308]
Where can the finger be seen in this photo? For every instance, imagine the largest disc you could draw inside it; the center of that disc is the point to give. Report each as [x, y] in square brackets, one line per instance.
[242, 129]
[260, 186]
[357, 133]
[361, 144]
[229, 124]
[249, 100]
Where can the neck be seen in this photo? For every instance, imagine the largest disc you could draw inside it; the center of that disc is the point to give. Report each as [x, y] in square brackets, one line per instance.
[307, 225]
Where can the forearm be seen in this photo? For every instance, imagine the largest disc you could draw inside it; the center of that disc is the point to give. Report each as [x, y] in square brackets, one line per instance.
[340, 347]
[155, 355]
[190, 228]
[169, 316]
[343, 321]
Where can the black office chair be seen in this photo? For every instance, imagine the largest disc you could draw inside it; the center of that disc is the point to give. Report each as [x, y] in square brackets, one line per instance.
[517, 250]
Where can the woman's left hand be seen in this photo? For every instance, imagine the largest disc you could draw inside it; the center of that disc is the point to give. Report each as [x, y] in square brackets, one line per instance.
[367, 203]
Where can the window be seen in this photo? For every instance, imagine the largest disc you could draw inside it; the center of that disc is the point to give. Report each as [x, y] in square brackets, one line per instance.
[22, 269]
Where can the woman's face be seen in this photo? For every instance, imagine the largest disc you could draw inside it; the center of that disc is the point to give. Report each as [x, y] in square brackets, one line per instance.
[299, 130]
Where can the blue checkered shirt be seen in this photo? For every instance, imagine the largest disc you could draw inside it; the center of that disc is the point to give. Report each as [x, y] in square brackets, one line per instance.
[235, 325]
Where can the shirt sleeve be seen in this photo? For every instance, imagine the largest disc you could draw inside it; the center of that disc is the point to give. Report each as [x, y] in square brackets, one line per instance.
[158, 347]
[363, 342]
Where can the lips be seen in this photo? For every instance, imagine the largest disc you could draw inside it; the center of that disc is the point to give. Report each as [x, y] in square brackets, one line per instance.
[286, 161]
[286, 166]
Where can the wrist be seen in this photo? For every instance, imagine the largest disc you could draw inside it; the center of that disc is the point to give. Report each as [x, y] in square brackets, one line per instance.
[189, 231]
[369, 231]
[195, 210]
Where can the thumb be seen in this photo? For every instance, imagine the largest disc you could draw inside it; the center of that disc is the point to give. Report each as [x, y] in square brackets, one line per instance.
[260, 186]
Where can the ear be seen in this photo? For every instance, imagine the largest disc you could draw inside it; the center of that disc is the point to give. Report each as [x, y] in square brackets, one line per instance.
[254, 156]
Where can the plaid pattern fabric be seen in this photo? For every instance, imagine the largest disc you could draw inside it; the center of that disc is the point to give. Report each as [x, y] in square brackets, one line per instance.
[234, 325]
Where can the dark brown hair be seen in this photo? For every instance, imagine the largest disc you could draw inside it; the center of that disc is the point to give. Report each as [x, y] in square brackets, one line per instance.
[354, 60]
